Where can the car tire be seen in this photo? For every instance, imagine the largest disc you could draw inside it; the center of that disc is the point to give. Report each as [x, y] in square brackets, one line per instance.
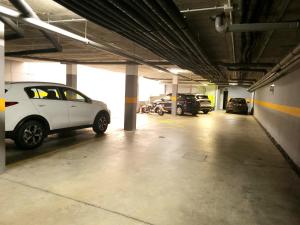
[179, 110]
[205, 111]
[30, 134]
[160, 112]
[194, 113]
[100, 124]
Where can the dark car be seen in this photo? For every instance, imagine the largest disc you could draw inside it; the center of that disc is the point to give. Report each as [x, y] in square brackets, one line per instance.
[237, 105]
[186, 103]
[204, 103]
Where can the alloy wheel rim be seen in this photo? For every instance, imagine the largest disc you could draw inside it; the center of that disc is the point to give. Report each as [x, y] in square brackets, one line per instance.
[33, 135]
[179, 110]
[103, 123]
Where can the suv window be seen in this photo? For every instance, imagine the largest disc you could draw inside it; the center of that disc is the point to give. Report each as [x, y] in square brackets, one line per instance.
[43, 92]
[202, 97]
[72, 95]
[32, 93]
[238, 100]
[190, 97]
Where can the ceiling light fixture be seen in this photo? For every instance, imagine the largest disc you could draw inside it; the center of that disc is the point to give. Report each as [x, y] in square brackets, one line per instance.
[178, 70]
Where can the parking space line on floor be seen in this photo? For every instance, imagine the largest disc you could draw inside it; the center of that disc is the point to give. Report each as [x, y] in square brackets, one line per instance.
[78, 201]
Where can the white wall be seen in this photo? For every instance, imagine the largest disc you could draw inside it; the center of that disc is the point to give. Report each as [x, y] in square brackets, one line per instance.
[233, 92]
[274, 110]
[35, 71]
[185, 88]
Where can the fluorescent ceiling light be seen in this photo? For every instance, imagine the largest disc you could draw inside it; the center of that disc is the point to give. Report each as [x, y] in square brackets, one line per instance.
[233, 84]
[178, 70]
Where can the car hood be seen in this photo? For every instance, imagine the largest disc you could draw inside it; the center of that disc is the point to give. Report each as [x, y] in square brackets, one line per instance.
[100, 103]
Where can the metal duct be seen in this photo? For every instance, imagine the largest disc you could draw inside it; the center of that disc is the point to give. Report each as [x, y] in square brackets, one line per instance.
[18, 32]
[222, 26]
[292, 59]
[27, 12]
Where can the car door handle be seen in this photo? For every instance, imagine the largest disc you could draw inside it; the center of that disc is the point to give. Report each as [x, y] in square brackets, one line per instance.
[41, 105]
[73, 106]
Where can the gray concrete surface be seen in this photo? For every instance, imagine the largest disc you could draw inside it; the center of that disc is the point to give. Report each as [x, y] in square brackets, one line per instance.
[283, 126]
[210, 169]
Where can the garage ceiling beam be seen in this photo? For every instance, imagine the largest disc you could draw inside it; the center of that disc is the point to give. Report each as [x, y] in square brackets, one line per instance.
[33, 22]
[17, 31]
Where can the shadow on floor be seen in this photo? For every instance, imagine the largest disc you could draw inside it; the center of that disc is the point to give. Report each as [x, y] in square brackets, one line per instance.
[53, 143]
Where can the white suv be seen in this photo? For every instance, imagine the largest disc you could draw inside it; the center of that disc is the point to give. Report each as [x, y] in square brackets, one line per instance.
[35, 109]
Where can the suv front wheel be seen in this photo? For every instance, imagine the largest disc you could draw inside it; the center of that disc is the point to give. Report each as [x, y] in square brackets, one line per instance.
[100, 123]
[30, 134]
[179, 110]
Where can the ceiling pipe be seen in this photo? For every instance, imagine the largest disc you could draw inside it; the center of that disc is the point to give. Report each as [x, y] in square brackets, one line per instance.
[171, 9]
[91, 10]
[222, 26]
[26, 11]
[18, 32]
[247, 69]
[33, 22]
[225, 8]
[247, 65]
[157, 35]
[281, 69]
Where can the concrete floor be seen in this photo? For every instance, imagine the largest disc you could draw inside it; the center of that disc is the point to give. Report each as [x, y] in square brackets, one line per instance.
[210, 169]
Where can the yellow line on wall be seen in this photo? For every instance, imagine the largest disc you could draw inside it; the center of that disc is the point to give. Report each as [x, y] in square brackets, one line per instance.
[294, 111]
[2, 104]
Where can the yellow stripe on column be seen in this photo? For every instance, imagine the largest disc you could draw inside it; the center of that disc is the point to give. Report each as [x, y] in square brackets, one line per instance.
[294, 111]
[130, 100]
[2, 104]
[174, 98]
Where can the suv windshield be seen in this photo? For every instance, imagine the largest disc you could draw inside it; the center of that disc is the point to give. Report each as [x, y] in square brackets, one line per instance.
[190, 96]
[202, 97]
[239, 100]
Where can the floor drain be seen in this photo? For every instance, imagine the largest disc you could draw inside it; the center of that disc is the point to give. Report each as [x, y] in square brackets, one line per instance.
[161, 137]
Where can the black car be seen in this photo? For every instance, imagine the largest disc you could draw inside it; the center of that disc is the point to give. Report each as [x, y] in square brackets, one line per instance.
[204, 102]
[237, 105]
[186, 103]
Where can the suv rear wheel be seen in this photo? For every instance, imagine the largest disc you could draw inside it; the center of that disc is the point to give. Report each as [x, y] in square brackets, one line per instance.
[100, 123]
[30, 134]
[179, 110]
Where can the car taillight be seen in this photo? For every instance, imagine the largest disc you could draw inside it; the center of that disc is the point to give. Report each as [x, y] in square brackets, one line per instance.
[7, 104]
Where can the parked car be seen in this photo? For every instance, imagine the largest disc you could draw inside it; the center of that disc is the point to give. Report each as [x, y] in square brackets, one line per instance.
[186, 103]
[34, 110]
[237, 105]
[204, 102]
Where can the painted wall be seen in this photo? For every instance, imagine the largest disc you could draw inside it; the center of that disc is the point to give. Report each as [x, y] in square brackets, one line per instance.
[279, 112]
[185, 88]
[35, 71]
[209, 90]
[234, 92]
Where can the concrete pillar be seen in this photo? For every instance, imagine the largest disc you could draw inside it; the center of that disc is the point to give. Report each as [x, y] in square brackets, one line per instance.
[131, 93]
[174, 94]
[2, 100]
[72, 75]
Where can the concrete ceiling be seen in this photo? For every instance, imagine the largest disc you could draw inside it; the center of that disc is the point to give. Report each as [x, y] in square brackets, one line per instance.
[217, 46]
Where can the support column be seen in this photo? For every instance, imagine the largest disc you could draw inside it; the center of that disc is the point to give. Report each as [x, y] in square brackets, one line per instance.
[131, 93]
[72, 75]
[174, 94]
[2, 101]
